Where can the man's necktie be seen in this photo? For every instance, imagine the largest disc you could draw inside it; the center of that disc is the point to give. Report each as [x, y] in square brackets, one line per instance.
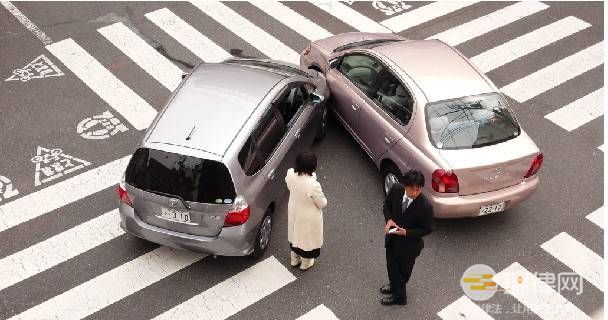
[405, 203]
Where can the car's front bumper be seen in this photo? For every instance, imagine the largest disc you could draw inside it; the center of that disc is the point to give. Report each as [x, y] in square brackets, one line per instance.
[232, 241]
[469, 206]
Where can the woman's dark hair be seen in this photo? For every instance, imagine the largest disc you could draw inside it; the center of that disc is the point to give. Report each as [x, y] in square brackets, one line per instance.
[413, 178]
[306, 163]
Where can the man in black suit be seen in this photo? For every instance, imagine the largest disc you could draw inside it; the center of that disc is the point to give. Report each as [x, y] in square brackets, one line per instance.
[408, 215]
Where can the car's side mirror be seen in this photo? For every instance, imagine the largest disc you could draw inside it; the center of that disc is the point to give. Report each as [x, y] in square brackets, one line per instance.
[334, 63]
[316, 98]
[184, 75]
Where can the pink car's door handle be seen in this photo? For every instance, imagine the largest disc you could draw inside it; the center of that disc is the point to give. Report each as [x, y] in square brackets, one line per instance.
[271, 174]
[388, 140]
[354, 106]
[297, 134]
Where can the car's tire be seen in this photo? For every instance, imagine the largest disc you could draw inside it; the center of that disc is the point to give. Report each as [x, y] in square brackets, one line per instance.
[322, 131]
[262, 239]
[390, 175]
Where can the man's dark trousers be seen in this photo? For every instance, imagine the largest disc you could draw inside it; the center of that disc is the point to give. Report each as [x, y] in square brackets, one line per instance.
[399, 267]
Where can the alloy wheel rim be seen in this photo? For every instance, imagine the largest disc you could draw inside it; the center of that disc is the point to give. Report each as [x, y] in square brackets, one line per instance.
[265, 232]
[389, 180]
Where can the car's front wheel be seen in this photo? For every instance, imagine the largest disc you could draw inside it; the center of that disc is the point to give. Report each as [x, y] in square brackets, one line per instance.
[322, 131]
[263, 237]
[391, 175]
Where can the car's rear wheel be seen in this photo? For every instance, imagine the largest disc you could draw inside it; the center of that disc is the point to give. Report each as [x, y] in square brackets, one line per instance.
[322, 131]
[391, 175]
[263, 237]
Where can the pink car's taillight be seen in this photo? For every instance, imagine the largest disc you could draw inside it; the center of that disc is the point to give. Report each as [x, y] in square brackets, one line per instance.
[538, 161]
[444, 181]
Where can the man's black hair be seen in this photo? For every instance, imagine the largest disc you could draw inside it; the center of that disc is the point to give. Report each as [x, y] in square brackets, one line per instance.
[413, 178]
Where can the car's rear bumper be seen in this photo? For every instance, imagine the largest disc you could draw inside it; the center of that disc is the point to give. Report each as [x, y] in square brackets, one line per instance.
[469, 206]
[232, 241]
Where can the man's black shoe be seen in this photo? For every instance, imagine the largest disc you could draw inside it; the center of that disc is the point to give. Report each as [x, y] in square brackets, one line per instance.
[391, 301]
[386, 289]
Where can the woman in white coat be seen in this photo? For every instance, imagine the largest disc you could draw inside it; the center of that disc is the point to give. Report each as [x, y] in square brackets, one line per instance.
[304, 211]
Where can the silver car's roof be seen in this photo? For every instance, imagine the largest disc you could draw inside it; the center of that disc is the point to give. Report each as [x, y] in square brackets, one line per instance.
[212, 106]
[438, 69]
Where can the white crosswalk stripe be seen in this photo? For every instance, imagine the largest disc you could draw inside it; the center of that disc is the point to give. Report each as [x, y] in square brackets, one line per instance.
[350, 16]
[187, 36]
[113, 285]
[601, 148]
[528, 43]
[579, 112]
[55, 250]
[62, 193]
[321, 312]
[292, 19]
[424, 14]
[578, 257]
[490, 22]
[109, 88]
[597, 217]
[159, 67]
[463, 309]
[537, 295]
[248, 31]
[559, 72]
[234, 294]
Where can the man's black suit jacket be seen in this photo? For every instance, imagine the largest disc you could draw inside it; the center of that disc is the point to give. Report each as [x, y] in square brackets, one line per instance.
[416, 219]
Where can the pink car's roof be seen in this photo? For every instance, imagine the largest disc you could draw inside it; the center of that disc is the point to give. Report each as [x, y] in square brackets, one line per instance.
[439, 71]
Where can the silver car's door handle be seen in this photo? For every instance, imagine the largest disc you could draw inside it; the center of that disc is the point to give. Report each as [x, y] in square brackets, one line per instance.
[271, 174]
[297, 134]
[354, 106]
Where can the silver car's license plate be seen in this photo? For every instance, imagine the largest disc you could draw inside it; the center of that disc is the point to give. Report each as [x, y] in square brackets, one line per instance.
[493, 208]
[175, 215]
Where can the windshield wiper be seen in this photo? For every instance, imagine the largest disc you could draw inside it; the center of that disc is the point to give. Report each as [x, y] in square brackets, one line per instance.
[169, 196]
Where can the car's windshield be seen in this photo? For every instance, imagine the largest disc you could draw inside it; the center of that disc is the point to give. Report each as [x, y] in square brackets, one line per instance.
[470, 122]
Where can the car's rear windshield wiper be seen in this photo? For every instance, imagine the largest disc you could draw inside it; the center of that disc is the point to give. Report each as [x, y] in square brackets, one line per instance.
[169, 196]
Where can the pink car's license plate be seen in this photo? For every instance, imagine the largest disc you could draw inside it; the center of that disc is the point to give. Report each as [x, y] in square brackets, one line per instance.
[493, 208]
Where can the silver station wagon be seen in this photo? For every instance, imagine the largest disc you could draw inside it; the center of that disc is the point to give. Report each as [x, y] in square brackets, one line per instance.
[209, 172]
[420, 104]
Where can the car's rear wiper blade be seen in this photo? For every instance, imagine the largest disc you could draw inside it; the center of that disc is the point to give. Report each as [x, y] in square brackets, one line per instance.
[169, 196]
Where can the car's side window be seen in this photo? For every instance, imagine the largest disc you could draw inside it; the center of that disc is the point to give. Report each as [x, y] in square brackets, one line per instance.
[290, 103]
[361, 70]
[262, 142]
[394, 98]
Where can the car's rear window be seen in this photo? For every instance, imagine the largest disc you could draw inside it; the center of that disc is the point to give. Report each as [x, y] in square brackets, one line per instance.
[470, 122]
[193, 179]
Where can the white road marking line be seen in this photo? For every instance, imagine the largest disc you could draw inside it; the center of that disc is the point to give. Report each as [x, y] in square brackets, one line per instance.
[53, 251]
[463, 309]
[254, 35]
[601, 148]
[528, 43]
[423, 14]
[321, 312]
[113, 91]
[350, 16]
[113, 285]
[62, 193]
[537, 295]
[27, 23]
[555, 74]
[292, 19]
[159, 67]
[577, 257]
[597, 216]
[489, 22]
[579, 112]
[187, 36]
[234, 294]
